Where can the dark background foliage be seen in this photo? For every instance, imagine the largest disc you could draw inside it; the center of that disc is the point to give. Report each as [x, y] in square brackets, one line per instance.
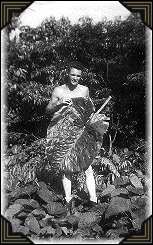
[113, 56]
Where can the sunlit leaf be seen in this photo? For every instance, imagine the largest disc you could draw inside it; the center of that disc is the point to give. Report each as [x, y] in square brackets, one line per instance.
[136, 182]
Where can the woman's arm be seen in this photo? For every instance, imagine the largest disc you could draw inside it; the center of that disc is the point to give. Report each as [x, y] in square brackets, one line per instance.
[57, 101]
[54, 104]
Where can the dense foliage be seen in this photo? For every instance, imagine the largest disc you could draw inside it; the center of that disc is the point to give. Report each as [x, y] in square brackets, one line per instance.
[113, 56]
[37, 209]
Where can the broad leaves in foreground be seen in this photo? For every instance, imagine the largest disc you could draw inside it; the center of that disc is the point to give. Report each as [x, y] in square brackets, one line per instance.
[13, 210]
[107, 220]
[118, 205]
[72, 141]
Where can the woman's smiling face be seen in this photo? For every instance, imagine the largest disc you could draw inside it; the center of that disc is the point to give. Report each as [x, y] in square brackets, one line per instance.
[74, 76]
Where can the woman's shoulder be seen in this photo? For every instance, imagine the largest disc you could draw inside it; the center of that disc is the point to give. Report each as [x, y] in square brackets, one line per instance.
[83, 87]
[83, 90]
[59, 89]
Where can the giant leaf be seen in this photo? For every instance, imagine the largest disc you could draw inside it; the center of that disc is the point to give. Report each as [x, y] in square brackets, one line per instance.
[99, 123]
[71, 140]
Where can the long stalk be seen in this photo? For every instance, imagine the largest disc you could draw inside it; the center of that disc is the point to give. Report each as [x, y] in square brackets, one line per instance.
[116, 131]
[100, 109]
[106, 102]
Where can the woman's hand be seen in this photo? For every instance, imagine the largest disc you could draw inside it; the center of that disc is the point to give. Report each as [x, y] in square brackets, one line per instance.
[65, 101]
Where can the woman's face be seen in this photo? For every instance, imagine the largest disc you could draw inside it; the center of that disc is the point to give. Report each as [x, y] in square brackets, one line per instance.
[74, 76]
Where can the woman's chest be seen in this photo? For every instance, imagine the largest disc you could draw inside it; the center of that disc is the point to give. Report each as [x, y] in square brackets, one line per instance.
[72, 94]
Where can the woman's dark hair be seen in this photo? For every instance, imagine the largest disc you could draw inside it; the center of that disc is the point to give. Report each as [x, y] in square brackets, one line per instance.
[76, 65]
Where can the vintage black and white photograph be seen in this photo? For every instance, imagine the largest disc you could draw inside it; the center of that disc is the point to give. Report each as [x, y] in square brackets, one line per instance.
[76, 122]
